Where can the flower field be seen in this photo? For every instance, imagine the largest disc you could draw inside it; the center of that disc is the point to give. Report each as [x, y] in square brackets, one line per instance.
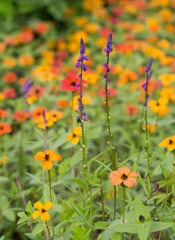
[87, 142]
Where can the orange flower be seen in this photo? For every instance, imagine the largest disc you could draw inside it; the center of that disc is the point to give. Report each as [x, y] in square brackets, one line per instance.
[169, 143]
[125, 176]
[62, 103]
[47, 157]
[41, 27]
[49, 121]
[3, 113]
[150, 127]
[4, 160]
[9, 62]
[56, 115]
[26, 60]
[4, 128]
[42, 211]
[73, 136]
[37, 112]
[20, 116]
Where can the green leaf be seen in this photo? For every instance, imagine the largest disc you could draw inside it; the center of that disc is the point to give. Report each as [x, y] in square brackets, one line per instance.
[77, 209]
[38, 228]
[143, 230]
[164, 171]
[36, 180]
[2, 238]
[3, 202]
[117, 236]
[57, 208]
[9, 214]
[64, 167]
[29, 208]
[100, 225]
[46, 195]
[159, 226]
[3, 179]
[78, 181]
[140, 211]
[76, 158]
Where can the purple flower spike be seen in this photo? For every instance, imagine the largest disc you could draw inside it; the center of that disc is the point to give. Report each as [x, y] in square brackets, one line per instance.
[109, 48]
[149, 65]
[26, 86]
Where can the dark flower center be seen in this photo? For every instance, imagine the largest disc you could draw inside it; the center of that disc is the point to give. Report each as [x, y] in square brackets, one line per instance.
[43, 210]
[74, 135]
[37, 91]
[170, 142]
[1, 128]
[158, 104]
[124, 177]
[73, 84]
[46, 157]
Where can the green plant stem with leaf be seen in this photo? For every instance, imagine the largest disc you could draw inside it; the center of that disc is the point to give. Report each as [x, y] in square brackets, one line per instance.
[124, 192]
[102, 200]
[163, 215]
[50, 192]
[147, 139]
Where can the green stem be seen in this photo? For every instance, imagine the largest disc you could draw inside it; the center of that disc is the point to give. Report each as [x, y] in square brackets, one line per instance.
[48, 230]
[114, 202]
[147, 140]
[123, 209]
[50, 191]
[90, 219]
[165, 203]
[102, 200]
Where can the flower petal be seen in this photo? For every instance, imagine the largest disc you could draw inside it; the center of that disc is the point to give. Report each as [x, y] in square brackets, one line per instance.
[116, 181]
[47, 205]
[130, 182]
[39, 156]
[47, 165]
[133, 174]
[36, 214]
[77, 131]
[45, 216]
[38, 205]
[49, 152]
[123, 170]
[69, 137]
[55, 157]
[75, 140]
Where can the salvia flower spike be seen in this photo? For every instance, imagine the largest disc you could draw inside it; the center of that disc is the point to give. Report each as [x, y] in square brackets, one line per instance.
[149, 65]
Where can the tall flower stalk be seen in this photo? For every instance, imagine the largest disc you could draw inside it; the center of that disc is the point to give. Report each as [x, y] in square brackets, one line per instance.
[148, 71]
[82, 116]
[113, 155]
[44, 144]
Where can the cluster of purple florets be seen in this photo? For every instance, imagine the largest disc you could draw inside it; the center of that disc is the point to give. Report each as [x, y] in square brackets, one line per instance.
[82, 57]
[149, 71]
[107, 50]
[84, 68]
[108, 47]
[26, 87]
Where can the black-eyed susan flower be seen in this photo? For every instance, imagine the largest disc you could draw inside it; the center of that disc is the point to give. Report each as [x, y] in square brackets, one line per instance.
[42, 211]
[169, 143]
[74, 135]
[159, 106]
[42, 123]
[47, 157]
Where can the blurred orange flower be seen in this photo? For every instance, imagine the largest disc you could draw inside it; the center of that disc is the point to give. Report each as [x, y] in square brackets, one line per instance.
[74, 135]
[42, 211]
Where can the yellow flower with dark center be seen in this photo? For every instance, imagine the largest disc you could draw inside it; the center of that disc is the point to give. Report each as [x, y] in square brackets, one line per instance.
[42, 211]
[169, 143]
[159, 106]
[74, 135]
[47, 157]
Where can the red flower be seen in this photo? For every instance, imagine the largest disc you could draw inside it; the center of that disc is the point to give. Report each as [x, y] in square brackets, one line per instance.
[4, 128]
[10, 77]
[131, 109]
[41, 27]
[71, 83]
[20, 116]
[37, 90]
[112, 91]
[9, 93]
